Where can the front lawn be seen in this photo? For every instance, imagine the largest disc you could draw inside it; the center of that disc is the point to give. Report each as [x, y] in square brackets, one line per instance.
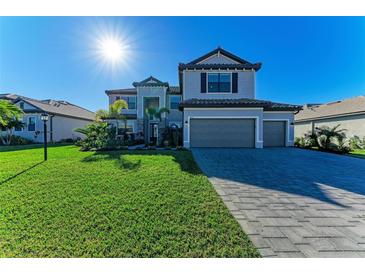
[112, 204]
[358, 153]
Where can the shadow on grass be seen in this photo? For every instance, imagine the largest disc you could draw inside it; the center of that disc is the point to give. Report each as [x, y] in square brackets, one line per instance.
[27, 147]
[183, 158]
[20, 173]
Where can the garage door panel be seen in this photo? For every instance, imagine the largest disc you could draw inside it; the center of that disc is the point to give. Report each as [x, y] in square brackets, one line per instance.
[222, 132]
[274, 133]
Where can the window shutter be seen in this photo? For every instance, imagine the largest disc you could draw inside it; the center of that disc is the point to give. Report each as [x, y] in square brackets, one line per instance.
[234, 82]
[203, 83]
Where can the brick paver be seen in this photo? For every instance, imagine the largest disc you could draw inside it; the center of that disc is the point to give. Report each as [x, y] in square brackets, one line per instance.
[292, 202]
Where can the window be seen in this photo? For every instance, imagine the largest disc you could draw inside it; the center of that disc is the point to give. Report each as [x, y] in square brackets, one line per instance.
[117, 98]
[131, 101]
[219, 82]
[129, 128]
[31, 124]
[174, 102]
[18, 128]
[21, 105]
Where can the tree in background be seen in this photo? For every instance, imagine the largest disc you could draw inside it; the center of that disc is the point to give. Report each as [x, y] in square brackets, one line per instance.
[10, 116]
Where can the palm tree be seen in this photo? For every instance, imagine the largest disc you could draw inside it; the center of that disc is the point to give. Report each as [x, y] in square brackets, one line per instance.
[8, 112]
[156, 113]
[115, 112]
[325, 136]
[10, 115]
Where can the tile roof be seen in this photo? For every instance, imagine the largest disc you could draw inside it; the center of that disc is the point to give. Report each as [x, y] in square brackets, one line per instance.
[242, 102]
[255, 67]
[240, 63]
[174, 90]
[151, 82]
[53, 106]
[121, 91]
[345, 107]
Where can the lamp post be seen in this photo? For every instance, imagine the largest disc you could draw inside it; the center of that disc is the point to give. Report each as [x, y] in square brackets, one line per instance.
[44, 118]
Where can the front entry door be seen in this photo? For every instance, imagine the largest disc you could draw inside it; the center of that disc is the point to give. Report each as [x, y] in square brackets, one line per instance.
[153, 133]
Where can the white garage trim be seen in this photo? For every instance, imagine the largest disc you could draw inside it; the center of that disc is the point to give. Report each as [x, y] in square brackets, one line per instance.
[287, 128]
[227, 117]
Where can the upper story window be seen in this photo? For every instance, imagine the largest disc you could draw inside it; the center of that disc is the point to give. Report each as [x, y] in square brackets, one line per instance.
[31, 123]
[219, 82]
[174, 101]
[131, 101]
[21, 105]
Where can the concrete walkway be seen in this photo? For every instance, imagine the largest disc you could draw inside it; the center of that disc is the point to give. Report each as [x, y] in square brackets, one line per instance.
[292, 202]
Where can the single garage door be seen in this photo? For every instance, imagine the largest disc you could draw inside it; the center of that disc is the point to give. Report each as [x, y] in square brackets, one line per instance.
[274, 133]
[222, 133]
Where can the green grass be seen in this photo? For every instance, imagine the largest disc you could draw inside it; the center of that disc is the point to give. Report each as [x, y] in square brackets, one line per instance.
[112, 204]
[358, 153]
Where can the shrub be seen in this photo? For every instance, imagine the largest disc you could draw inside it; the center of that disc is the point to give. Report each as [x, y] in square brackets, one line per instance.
[325, 138]
[98, 136]
[101, 136]
[356, 143]
[17, 140]
[172, 136]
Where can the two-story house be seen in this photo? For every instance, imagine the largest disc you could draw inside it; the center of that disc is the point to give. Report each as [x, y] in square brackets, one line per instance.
[218, 105]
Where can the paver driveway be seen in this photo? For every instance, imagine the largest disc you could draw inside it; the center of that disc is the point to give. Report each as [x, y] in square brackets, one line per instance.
[292, 202]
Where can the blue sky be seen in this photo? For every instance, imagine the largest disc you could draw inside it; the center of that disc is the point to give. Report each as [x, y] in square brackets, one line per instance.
[305, 59]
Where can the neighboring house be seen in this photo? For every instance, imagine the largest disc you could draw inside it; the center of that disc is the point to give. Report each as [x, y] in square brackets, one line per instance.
[64, 117]
[218, 105]
[349, 113]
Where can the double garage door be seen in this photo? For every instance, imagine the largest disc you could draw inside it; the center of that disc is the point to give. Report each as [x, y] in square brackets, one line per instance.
[233, 133]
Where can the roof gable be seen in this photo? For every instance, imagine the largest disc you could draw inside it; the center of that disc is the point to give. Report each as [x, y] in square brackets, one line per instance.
[150, 82]
[219, 54]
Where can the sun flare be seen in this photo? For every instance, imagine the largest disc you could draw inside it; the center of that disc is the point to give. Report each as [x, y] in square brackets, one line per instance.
[112, 49]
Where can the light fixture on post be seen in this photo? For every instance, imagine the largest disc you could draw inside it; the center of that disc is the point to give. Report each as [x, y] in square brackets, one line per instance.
[44, 118]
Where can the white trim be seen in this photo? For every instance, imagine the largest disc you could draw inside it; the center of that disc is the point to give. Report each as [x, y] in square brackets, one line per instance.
[224, 108]
[256, 118]
[287, 128]
[182, 91]
[254, 83]
[218, 55]
[219, 72]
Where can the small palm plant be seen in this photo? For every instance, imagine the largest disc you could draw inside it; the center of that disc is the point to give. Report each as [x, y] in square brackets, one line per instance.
[115, 112]
[326, 136]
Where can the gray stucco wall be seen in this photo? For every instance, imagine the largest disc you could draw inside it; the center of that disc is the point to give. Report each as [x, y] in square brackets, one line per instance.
[288, 117]
[246, 86]
[142, 92]
[354, 125]
[215, 113]
[63, 127]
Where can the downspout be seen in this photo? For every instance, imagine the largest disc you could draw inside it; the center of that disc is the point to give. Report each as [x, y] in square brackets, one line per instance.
[51, 128]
